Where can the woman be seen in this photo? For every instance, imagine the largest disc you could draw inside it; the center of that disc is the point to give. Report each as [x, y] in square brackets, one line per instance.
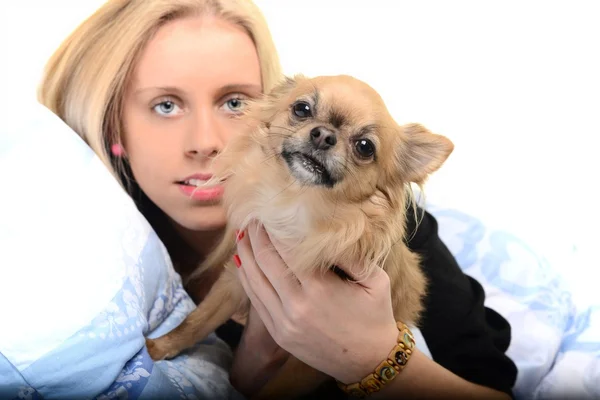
[154, 88]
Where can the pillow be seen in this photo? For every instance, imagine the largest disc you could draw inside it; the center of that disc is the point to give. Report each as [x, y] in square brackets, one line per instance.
[84, 279]
[553, 338]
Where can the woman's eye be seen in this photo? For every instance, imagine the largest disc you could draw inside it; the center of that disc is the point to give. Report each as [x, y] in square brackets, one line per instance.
[166, 108]
[235, 104]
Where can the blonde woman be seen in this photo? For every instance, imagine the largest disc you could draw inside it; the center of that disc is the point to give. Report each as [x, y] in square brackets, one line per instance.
[154, 88]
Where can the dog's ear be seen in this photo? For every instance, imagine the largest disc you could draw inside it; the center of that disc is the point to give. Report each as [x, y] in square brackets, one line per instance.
[422, 152]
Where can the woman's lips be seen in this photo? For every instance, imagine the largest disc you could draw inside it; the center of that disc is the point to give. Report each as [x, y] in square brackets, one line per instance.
[202, 187]
[200, 193]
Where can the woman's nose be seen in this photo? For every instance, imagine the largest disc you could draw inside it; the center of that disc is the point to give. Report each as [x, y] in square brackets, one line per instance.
[205, 136]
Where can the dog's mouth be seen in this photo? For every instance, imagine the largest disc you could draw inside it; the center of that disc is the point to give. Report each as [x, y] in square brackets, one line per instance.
[308, 169]
[311, 164]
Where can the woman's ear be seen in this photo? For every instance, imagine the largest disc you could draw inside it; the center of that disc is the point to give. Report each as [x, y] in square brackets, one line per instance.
[421, 152]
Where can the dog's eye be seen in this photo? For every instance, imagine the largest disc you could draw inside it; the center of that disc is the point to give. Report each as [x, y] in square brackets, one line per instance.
[364, 148]
[302, 109]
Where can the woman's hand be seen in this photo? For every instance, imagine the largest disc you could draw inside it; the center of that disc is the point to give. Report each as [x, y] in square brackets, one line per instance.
[341, 328]
[257, 357]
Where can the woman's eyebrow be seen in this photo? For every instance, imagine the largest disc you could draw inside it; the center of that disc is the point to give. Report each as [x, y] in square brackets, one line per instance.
[234, 87]
[166, 89]
[240, 87]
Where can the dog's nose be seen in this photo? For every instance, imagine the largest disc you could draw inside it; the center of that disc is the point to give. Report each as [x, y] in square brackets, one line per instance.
[322, 138]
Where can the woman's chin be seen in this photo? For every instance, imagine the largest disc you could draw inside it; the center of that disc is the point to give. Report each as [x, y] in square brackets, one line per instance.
[209, 220]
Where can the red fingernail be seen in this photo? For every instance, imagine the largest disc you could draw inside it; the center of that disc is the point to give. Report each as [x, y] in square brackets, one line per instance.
[239, 235]
[237, 261]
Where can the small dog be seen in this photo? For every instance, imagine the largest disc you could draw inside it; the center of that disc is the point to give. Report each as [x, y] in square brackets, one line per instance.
[327, 171]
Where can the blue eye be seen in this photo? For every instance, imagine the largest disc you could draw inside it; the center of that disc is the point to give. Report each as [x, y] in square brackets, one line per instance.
[166, 108]
[235, 104]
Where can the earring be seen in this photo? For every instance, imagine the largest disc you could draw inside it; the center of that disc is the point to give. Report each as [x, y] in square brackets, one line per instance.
[117, 150]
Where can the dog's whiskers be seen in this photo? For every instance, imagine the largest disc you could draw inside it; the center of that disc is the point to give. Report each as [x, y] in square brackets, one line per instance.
[284, 128]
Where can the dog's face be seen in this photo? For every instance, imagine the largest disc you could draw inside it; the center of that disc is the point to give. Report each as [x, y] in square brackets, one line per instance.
[336, 133]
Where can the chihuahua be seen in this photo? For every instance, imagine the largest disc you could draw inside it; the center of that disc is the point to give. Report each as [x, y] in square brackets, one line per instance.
[328, 172]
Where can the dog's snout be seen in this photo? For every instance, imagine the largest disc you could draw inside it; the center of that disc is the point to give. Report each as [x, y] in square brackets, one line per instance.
[322, 138]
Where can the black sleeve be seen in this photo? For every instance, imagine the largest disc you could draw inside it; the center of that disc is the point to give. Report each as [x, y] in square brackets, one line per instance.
[462, 334]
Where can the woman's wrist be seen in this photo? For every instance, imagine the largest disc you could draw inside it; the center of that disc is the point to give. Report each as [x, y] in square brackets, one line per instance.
[378, 363]
[256, 361]
[416, 379]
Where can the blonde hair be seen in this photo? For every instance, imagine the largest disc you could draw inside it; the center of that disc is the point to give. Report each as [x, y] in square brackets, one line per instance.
[85, 79]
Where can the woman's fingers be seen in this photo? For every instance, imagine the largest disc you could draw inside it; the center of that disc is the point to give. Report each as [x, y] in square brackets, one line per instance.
[255, 283]
[271, 264]
[321, 318]
[261, 309]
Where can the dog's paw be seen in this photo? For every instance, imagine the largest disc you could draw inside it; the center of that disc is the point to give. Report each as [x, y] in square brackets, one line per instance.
[159, 349]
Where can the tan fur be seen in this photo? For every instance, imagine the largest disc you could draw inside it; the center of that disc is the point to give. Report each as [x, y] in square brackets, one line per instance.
[358, 221]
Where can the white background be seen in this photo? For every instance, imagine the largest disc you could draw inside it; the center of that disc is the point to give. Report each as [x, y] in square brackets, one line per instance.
[515, 85]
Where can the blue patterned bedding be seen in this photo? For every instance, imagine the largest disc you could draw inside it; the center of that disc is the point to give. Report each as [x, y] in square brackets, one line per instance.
[80, 291]
[555, 339]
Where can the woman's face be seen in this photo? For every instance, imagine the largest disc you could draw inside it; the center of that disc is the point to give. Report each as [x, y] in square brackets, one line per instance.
[181, 108]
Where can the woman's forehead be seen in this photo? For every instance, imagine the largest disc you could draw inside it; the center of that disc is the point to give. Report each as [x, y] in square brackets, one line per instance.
[203, 51]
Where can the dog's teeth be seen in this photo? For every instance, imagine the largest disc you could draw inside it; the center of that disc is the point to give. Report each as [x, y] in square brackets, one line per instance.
[311, 167]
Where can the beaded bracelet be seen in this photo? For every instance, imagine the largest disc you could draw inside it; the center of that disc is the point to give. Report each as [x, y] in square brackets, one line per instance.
[388, 369]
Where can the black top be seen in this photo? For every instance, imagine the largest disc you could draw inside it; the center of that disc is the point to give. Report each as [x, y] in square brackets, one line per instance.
[462, 334]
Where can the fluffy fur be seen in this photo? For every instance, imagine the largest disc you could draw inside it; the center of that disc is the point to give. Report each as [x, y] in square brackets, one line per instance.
[327, 171]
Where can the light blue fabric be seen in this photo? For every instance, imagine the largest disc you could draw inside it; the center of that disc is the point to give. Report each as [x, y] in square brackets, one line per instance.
[555, 341]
